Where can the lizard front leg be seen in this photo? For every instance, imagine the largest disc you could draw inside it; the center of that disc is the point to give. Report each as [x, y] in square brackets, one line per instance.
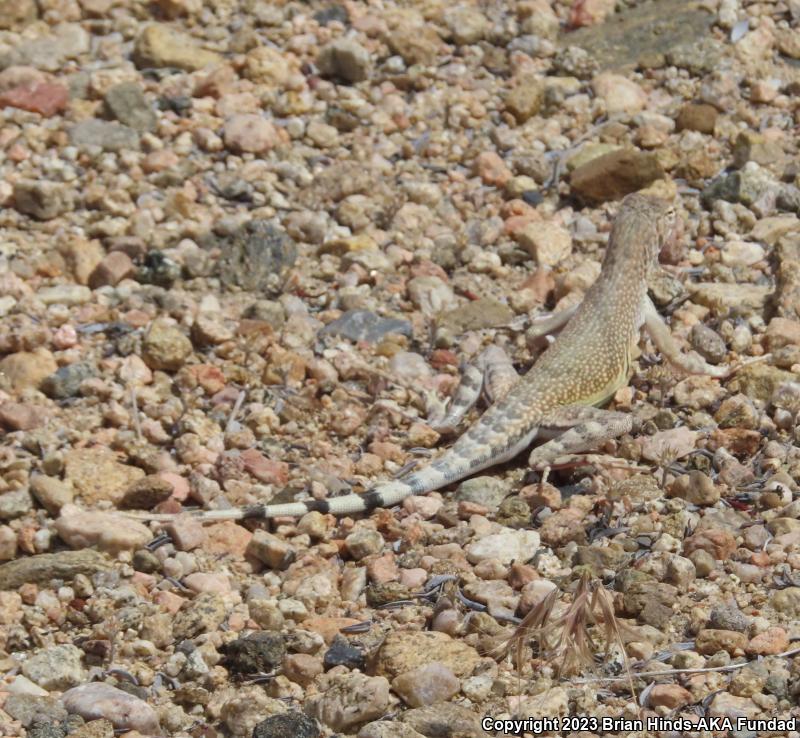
[690, 363]
[545, 325]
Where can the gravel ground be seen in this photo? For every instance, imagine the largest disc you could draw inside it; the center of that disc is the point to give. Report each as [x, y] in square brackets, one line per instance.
[245, 249]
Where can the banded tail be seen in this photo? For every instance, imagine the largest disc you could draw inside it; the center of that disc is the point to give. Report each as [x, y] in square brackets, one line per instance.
[467, 456]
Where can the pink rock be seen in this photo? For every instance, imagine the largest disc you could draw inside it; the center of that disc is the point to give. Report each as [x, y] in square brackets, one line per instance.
[383, 569]
[107, 531]
[187, 533]
[148, 581]
[301, 668]
[180, 485]
[772, 641]
[114, 267]
[413, 578]
[426, 685]
[672, 696]
[45, 98]
[21, 416]
[99, 700]
[159, 161]
[201, 581]
[65, 337]
[492, 169]
[248, 132]
[676, 442]
[424, 506]
[327, 627]
[227, 538]
[264, 469]
[169, 601]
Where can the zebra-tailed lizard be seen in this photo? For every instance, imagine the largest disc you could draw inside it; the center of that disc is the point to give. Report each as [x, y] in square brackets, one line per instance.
[559, 396]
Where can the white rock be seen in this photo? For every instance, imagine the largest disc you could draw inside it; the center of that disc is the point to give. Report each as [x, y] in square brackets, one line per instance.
[431, 295]
[507, 546]
[126, 712]
[620, 94]
[23, 685]
[742, 253]
[107, 531]
[65, 294]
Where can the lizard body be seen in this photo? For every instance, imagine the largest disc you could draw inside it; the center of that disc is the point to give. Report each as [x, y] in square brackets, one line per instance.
[588, 362]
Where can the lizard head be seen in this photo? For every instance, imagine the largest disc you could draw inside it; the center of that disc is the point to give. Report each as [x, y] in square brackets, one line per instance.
[642, 227]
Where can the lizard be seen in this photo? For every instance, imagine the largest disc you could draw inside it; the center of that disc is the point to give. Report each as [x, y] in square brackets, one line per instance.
[561, 394]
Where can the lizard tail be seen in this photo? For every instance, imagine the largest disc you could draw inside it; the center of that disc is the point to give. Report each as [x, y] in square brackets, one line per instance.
[480, 447]
[386, 494]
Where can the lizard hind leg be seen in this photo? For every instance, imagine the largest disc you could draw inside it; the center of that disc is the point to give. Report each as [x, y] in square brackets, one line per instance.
[579, 428]
[499, 375]
[465, 397]
[492, 372]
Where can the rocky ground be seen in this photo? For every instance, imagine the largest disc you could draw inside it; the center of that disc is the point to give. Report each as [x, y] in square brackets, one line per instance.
[245, 247]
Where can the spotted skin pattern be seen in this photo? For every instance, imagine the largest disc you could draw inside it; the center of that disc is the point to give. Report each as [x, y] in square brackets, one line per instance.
[589, 361]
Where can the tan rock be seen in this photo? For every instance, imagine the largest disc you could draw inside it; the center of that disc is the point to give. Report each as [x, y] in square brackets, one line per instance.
[159, 45]
[405, 650]
[96, 474]
[26, 369]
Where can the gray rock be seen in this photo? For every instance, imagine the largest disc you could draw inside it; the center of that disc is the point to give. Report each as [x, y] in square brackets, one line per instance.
[66, 381]
[645, 34]
[350, 700]
[708, 343]
[126, 103]
[41, 199]
[108, 135]
[570, 61]
[363, 325]
[388, 729]
[476, 315]
[735, 299]
[28, 709]
[363, 542]
[203, 615]
[271, 312]
[427, 685]
[57, 667]
[43, 568]
[346, 59]
[47, 730]
[50, 51]
[728, 618]
[15, 504]
[752, 185]
[444, 720]
[486, 491]
[342, 653]
[126, 712]
[698, 56]
[259, 652]
[256, 257]
[287, 725]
